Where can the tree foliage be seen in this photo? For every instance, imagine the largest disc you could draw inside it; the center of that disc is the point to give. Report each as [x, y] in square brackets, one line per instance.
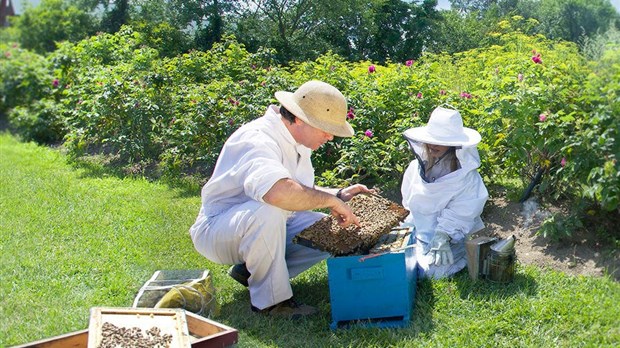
[298, 30]
[570, 20]
[41, 27]
[379, 30]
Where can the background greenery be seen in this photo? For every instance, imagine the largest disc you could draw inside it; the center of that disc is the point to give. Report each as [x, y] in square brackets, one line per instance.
[139, 97]
[78, 237]
[542, 106]
[299, 30]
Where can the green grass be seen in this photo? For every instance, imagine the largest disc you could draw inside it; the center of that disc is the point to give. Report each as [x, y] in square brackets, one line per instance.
[76, 238]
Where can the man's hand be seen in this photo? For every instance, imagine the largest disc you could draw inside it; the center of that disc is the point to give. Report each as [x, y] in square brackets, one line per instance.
[344, 215]
[349, 192]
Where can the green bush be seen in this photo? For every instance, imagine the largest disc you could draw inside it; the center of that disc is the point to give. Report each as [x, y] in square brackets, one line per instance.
[591, 154]
[40, 122]
[25, 77]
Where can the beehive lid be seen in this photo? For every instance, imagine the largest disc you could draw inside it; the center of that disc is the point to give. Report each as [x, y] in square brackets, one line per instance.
[378, 215]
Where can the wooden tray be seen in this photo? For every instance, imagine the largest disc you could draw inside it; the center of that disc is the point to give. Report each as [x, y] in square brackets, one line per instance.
[135, 324]
[204, 333]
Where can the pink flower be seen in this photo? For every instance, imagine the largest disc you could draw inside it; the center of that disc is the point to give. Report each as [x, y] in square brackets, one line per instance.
[563, 162]
[233, 102]
[520, 77]
[231, 122]
[536, 59]
[419, 95]
[55, 83]
[442, 92]
[368, 133]
[466, 95]
[350, 114]
[542, 117]
[371, 69]
[409, 62]
[7, 54]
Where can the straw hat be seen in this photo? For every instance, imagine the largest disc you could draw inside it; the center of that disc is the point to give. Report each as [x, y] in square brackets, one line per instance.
[320, 105]
[445, 127]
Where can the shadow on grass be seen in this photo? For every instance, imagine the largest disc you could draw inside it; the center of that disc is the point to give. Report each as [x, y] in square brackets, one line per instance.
[482, 289]
[424, 306]
[100, 166]
[261, 330]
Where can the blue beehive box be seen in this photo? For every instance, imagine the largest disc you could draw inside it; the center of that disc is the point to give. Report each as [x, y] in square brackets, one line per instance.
[373, 292]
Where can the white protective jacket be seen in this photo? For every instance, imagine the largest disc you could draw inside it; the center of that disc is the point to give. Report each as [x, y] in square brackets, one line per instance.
[236, 226]
[452, 203]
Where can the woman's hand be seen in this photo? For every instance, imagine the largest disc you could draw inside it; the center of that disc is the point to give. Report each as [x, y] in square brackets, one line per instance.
[349, 192]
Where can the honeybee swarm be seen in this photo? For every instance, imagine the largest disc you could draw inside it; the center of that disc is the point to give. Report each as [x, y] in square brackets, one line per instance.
[114, 336]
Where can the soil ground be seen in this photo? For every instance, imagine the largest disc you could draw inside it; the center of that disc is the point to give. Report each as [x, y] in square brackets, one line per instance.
[581, 254]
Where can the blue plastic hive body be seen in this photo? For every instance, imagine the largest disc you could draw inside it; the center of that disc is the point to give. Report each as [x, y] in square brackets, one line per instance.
[376, 292]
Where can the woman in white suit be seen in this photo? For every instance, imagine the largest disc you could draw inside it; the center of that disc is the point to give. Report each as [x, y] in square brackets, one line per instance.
[443, 192]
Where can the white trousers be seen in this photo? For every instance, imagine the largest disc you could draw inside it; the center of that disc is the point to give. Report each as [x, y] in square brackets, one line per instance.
[260, 235]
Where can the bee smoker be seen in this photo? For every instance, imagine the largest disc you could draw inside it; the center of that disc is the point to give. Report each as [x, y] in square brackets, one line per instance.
[492, 259]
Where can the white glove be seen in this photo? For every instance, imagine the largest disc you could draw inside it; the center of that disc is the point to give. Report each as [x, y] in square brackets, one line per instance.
[440, 249]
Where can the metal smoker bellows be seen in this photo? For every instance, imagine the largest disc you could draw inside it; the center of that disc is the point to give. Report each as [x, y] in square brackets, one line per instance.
[488, 258]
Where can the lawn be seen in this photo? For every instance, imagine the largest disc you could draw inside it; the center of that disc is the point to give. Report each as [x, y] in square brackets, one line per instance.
[75, 238]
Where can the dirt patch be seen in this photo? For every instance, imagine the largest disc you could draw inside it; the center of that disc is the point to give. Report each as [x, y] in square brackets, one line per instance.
[580, 254]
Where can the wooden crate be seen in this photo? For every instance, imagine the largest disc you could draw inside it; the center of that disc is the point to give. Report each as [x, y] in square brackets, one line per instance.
[204, 333]
[138, 324]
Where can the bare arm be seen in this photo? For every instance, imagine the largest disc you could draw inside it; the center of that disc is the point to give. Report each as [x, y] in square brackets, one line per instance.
[290, 195]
